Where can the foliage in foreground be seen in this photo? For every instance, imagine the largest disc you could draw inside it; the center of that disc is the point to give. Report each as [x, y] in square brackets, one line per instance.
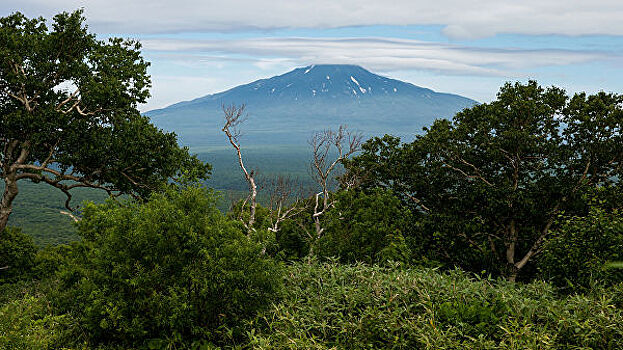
[577, 256]
[332, 306]
[173, 270]
[26, 320]
[17, 254]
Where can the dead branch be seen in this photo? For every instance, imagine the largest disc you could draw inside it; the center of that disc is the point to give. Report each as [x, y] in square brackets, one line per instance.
[283, 191]
[72, 216]
[234, 116]
[345, 143]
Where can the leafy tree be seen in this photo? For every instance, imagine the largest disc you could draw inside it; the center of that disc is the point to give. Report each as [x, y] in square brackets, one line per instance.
[171, 271]
[366, 227]
[17, 254]
[68, 113]
[491, 182]
[577, 255]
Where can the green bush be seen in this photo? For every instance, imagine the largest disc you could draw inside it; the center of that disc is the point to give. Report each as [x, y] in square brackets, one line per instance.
[289, 243]
[366, 227]
[170, 271]
[17, 254]
[576, 256]
[26, 320]
[51, 258]
[332, 306]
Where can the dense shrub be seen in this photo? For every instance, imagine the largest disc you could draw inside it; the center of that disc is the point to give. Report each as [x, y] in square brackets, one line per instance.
[17, 254]
[290, 242]
[366, 227]
[51, 258]
[26, 321]
[292, 238]
[166, 272]
[576, 257]
[332, 306]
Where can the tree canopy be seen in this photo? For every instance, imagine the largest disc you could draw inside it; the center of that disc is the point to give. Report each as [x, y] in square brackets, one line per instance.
[69, 117]
[492, 181]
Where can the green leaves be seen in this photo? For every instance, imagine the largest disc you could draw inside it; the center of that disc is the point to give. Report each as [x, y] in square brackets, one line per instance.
[366, 227]
[68, 111]
[17, 255]
[170, 270]
[491, 182]
[333, 306]
[580, 253]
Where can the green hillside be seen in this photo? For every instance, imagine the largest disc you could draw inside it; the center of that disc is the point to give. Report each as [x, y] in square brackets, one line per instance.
[38, 207]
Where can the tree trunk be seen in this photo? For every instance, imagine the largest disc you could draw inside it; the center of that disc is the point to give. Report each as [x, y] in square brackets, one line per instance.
[511, 242]
[253, 188]
[6, 204]
[512, 277]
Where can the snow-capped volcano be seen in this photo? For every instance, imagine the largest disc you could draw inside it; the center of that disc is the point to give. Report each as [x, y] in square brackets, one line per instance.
[289, 107]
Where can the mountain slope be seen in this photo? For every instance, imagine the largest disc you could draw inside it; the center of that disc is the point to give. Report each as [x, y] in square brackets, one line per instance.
[286, 109]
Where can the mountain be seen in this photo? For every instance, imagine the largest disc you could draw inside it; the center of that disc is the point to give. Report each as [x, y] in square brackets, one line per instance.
[288, 108]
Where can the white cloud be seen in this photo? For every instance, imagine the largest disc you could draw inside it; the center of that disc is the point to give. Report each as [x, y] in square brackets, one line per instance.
[460, 18]
[379, 54]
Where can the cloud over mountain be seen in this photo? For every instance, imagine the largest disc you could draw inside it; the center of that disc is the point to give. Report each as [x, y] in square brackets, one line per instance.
[381, 54]
[459, 18]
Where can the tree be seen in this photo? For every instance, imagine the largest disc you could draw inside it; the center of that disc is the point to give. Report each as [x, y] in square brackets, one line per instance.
[284, 201]
[577, 255]
[494, 179]
[365, 227]
[169, 272]
[329, 148]
[234, 116]
[68, 113]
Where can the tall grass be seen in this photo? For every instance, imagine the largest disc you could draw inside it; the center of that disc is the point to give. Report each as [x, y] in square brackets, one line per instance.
[331, 306]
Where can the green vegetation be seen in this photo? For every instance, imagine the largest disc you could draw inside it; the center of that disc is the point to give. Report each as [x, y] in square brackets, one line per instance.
[17, 254]
[576, 257]
[88, 133]
[333, 306]
[171, 271]
[366, 227]
[500, 229]
[489, 185]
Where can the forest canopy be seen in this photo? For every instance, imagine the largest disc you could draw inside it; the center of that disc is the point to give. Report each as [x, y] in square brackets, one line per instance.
[69, 117]
[494, 179]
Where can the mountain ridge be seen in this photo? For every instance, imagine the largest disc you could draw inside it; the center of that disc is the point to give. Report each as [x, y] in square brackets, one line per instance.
[310, 98]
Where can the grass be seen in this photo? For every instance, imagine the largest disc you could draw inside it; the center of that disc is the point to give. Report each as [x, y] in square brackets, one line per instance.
[333, 306]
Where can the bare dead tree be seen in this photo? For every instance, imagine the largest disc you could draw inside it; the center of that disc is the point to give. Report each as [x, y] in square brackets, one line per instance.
[285, 201]
[234, 116]
[351, 179]
[344, 143]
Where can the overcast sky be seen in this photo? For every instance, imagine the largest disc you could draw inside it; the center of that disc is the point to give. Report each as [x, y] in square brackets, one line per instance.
[467, 47]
